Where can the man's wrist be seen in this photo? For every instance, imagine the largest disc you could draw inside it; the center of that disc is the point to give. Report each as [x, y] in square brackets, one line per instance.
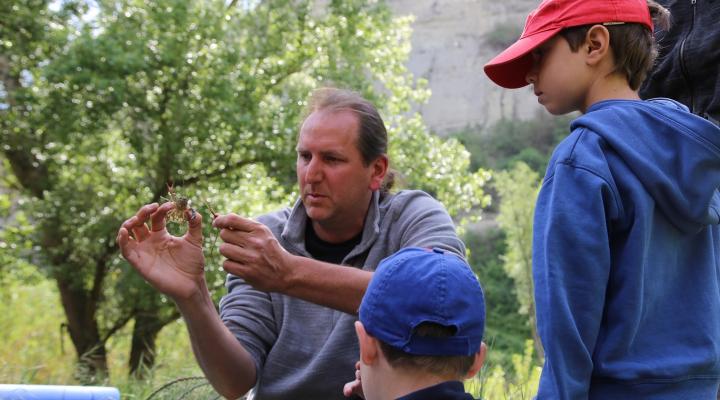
[201, 298]
[293, 267]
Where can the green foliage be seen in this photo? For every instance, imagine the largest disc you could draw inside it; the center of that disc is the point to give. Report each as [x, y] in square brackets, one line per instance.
[518, 188]
[522, 384]
[505, 329]
[509, 141]
[14, 238]
[97, 115]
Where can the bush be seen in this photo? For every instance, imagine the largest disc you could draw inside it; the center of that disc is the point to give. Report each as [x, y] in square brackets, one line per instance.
[504, 143]
[505, 329]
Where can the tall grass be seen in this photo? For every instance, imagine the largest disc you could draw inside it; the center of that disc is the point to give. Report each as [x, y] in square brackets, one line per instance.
[493, 383]
[35, 348]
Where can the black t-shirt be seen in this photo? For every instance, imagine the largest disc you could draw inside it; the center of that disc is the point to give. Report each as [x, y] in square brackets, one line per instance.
[329, 252]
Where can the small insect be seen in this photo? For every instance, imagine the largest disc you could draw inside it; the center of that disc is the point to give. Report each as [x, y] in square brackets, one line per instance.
[181, 203]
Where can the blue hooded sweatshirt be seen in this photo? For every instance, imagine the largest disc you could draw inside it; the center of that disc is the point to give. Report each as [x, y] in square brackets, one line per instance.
[626, 256]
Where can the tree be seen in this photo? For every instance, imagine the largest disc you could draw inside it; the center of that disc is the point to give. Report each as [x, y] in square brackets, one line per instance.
[99, 113]
[518, 188]
[506, 330]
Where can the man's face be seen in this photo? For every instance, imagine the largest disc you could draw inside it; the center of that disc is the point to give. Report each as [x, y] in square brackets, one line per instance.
[335, 185]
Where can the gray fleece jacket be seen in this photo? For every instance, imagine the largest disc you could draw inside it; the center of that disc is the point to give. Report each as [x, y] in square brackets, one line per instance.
[306, 351]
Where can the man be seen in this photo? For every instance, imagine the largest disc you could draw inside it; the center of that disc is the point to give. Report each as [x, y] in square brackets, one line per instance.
[296, 276]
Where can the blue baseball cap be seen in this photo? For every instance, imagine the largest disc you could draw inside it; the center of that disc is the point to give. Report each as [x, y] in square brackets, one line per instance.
[417, 285]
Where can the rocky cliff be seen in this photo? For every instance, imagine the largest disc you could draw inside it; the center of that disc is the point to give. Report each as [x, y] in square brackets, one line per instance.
[452, 40]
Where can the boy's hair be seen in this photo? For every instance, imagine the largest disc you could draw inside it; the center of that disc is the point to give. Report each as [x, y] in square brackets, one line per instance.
[457, 366]
[630, 21]
[427, 310]
[633, 46]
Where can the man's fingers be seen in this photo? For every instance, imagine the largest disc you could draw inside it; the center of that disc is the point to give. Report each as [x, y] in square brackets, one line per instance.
[122, 237]
[353, 388]
[236, 268]
[137, 227]
[239, 238]
[141, 232]
[144, 212]
[194, 233]
[236, 253]
[123, 240]
[140, 217]
[157, 218]
[235, 222]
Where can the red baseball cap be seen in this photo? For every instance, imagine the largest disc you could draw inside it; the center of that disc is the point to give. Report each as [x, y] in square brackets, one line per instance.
[509, 68]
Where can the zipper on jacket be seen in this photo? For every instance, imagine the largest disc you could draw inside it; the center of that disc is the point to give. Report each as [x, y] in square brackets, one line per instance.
[683, 66]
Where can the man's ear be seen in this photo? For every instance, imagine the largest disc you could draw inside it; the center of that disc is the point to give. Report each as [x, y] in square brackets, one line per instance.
[478, 362]
[379, 170]
[369, 346]
[597, 44]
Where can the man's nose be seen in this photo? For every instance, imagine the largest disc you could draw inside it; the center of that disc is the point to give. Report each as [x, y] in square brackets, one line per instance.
[313, 171]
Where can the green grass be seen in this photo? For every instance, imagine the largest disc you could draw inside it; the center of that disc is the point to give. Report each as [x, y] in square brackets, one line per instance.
[34, 348]
[495, 383]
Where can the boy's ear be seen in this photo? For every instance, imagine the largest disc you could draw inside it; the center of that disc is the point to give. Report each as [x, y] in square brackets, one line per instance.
[597, 44]
[478, 362]
[369, 346]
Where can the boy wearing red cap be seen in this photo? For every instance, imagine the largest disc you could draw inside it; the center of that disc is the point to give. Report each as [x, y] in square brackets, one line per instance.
[626, 237]
[420, 328]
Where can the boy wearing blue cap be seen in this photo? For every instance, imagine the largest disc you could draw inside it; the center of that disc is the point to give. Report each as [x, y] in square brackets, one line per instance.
[420, 329]
[626, 236]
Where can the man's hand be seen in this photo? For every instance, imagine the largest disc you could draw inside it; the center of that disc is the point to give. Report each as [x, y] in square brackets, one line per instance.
[253, 253]
[173, 265]
[354, 388]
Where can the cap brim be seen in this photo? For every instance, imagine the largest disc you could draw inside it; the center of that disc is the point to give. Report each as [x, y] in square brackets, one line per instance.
[509, 69]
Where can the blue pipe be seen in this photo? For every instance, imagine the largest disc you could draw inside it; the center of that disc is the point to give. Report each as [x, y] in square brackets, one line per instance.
[53, 392]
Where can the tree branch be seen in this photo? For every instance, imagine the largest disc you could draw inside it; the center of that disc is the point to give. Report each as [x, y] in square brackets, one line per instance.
[30, 172]
[118, 325]
[213, 174]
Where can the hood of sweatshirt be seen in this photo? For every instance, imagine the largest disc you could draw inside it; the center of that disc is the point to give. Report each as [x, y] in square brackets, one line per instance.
[679, 163]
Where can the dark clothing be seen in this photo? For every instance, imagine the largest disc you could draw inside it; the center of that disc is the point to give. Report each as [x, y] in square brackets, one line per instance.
[321, 250]
[626, 256]
[450, 390]
[688, 67]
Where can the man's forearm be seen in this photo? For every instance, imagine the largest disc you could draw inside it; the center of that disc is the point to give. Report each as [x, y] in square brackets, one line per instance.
[330, 285]
[226, 363]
